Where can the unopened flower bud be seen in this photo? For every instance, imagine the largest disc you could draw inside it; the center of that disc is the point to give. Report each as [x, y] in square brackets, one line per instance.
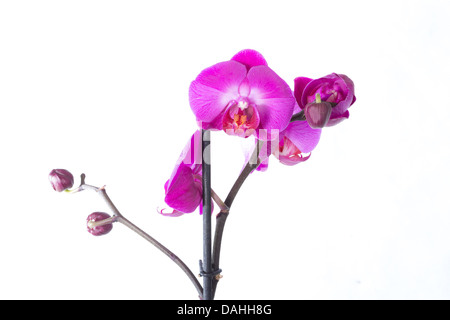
[99, 223]
[318, 113]
[337, 89]
[61, 179]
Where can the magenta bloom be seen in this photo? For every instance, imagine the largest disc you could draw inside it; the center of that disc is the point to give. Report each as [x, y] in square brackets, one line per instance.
[242, 97]
[60, 179]
[297, 142]
[184, 190]
[294, 145]
[337, 89]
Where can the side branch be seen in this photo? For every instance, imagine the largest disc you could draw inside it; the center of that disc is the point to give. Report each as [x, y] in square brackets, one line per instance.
[166, 251]
[118, 217]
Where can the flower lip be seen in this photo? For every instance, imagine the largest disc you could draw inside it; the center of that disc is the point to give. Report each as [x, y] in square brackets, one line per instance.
[289, 153]
[241, 119]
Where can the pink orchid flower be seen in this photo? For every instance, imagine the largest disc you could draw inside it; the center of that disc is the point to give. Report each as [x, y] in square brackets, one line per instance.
[337, 89]
[184, 188]
[296, 143]
[243, 97]
[293, 146]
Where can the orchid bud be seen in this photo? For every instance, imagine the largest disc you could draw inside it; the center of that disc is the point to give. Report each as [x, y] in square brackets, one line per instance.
[60, 179]
[99, 223]
[318, 113]
[337, 89]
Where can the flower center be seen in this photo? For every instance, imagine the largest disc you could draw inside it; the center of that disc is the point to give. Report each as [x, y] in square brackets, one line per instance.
[243, 105]
[240, 119]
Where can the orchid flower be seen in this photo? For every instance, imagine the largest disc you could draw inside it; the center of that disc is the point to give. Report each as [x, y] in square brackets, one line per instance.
[243, 97]
[184, 188]
[294, 145]
[337, 89]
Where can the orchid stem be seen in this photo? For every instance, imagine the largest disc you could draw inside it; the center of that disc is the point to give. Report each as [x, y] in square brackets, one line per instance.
[118, 217]
[214, 196]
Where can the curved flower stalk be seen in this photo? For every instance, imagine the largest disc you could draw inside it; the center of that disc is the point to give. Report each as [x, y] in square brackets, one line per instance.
[100, 223]
[242, 97]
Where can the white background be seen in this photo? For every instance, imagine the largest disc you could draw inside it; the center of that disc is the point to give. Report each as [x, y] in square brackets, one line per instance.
[101, 87]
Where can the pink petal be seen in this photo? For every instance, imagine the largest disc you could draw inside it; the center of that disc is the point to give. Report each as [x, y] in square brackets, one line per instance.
[334, 120]
[297, 108]
[166, 185]
[350, 98]
[173, 214]
[293, 160]
[273, 99]
[244, 88]
[213, 89]
[250, 58]
[299, 85]
[183, 192]
[248, 147]
[303, 136]
[190, 156]
[192, 152]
